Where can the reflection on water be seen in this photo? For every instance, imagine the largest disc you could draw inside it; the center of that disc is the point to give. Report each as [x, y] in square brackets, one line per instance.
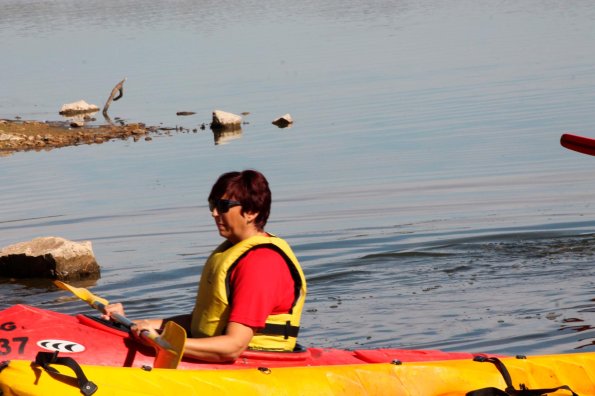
[423, 188]
[224, 136]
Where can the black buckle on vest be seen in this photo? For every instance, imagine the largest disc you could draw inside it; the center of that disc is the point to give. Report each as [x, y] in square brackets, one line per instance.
[44, 359]
[286, 330]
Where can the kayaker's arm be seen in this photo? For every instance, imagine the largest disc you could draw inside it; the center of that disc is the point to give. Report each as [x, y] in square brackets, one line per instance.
[223, 348]
[217, 349]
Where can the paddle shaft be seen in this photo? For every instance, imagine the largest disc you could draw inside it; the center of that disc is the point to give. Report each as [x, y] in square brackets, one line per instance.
[145, 334]
[116, 316]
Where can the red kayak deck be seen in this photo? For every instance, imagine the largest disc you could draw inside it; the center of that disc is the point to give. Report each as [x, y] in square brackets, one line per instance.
[26, 330]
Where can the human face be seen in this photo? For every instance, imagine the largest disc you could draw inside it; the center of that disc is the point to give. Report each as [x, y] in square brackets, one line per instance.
[232, 224]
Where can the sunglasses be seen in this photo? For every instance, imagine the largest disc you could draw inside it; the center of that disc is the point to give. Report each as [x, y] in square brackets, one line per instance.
[223, 205]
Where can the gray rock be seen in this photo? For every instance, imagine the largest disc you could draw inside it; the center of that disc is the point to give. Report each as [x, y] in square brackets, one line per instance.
[49, 257]
[283, 121]
[79, 107]
[225, 120]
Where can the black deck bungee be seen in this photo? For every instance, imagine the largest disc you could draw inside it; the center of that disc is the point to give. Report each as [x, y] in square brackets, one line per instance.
[45, 359]
[510, 389]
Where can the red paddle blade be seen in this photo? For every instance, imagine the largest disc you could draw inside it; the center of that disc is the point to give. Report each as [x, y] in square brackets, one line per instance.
[581, 144]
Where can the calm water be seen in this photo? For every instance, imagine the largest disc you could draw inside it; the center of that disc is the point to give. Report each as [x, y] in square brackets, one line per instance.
[422, 186]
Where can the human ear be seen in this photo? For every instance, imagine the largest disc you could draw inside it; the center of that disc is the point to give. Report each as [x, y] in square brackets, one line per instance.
[250, 216]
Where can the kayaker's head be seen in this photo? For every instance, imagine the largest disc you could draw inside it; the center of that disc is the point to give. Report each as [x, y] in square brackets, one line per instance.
[240, 203]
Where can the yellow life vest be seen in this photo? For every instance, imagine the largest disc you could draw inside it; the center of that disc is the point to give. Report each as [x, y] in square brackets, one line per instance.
[211, 311]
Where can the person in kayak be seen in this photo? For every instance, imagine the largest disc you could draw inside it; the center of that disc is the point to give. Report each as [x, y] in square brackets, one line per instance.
[252, 288]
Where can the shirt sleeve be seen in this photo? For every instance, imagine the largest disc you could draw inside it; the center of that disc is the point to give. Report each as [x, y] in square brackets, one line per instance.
[261, 285]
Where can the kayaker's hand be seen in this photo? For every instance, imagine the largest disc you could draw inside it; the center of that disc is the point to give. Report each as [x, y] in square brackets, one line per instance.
[144, 325]
[110, 309]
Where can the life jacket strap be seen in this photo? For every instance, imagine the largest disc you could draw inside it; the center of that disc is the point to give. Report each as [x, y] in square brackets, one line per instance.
[286, 330]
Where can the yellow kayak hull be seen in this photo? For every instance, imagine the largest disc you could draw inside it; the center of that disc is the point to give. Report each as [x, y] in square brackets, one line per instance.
[452, 377]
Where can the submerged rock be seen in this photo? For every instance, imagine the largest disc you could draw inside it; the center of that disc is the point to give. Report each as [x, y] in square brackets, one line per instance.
[49, 257]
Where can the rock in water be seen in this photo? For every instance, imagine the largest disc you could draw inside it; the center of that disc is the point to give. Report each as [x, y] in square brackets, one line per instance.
[283, 121]
[225, 120]
[80, 107]
[49, 257]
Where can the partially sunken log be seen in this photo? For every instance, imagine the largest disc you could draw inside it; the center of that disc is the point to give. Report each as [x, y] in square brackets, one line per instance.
[75, 108]
[283, 121]
[119, 91]
[224, 120]
[49, 257]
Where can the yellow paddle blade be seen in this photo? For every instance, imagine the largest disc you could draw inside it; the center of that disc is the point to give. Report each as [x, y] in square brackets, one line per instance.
[170, 346]
[83, 294]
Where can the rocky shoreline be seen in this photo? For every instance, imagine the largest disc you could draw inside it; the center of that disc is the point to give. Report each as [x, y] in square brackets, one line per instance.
[19, 135]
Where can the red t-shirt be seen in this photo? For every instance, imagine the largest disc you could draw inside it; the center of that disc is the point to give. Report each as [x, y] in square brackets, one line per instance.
[261, 284]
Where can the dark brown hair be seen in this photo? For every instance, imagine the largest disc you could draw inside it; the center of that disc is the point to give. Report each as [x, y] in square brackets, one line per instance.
[251, 188]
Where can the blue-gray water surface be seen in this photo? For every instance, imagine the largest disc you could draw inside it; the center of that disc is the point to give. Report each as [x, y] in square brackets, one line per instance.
[422, 184]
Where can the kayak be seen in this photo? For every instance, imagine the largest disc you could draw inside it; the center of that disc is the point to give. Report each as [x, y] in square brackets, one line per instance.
[27, 330]
[43, 352]
[578, 143]
[540, 375]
